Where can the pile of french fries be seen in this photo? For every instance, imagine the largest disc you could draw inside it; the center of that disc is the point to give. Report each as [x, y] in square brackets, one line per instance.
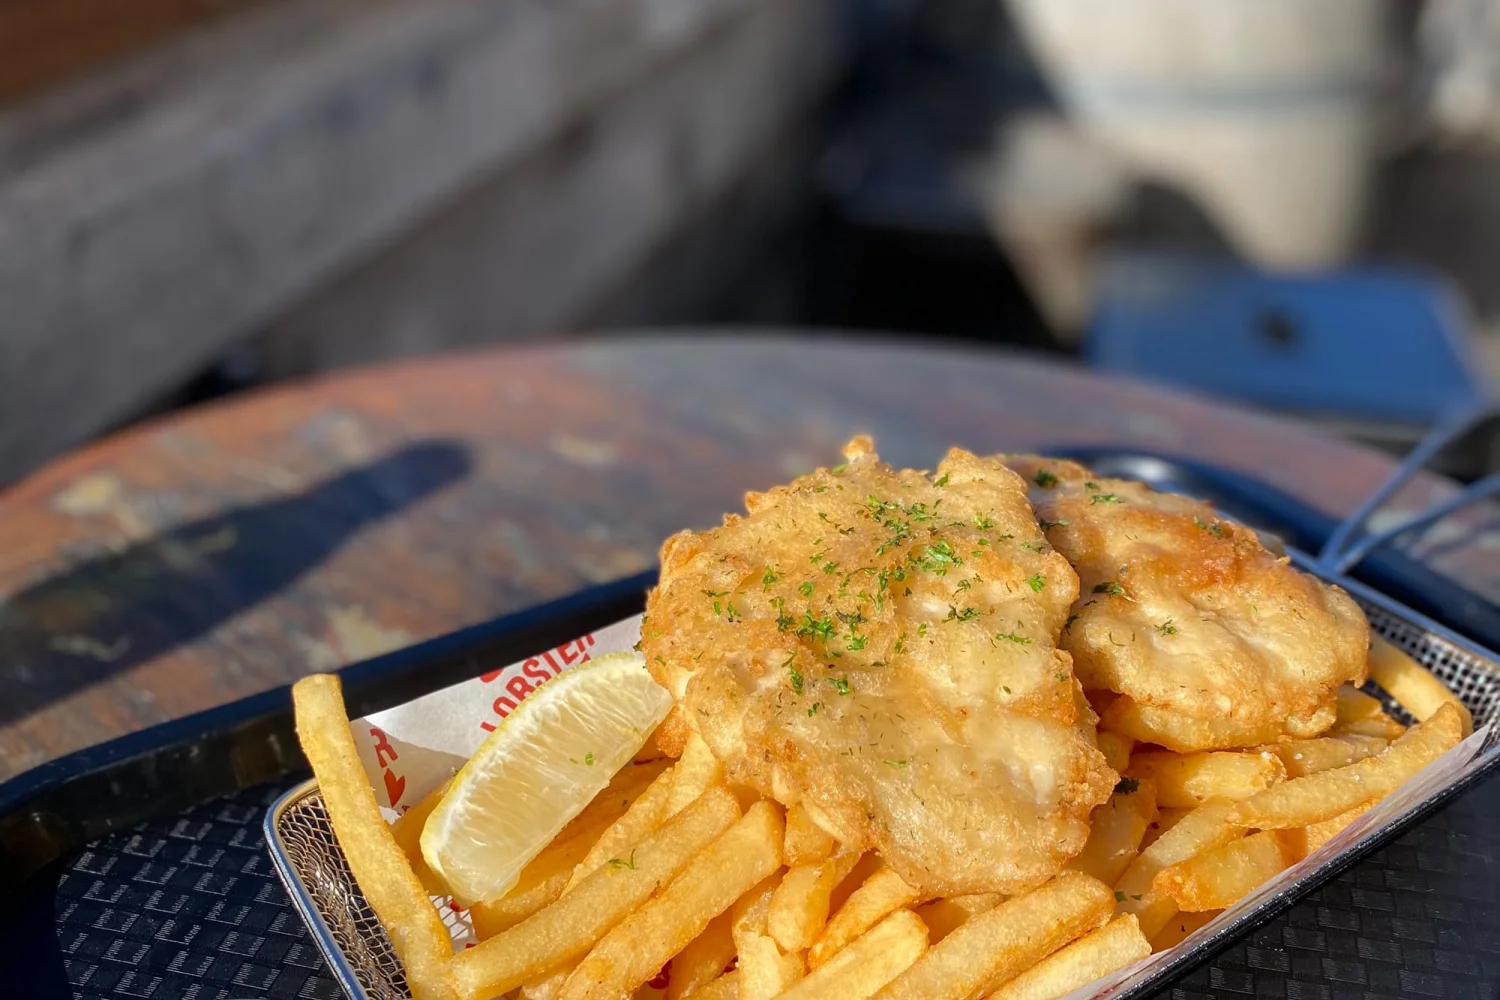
[672, 883]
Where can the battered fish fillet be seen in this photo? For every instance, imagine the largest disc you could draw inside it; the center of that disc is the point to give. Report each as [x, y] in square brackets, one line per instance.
[1211, 640]
[881, 646]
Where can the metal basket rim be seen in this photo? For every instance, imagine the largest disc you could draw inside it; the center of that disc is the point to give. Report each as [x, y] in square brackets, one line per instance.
[281, 860]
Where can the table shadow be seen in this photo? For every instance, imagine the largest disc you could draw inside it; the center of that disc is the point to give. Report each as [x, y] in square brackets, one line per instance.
[107, 614]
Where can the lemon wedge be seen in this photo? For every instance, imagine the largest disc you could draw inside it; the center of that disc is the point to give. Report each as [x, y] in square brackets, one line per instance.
[537, 771]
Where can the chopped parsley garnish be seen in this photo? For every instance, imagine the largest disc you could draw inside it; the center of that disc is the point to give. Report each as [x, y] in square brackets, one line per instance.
[943, 481]
[588, 758]
[896, 763]
[618, 864]
[1061, 678]
[769, 577]
[839, 468]
[1037, 582]
[658, 659]
[1105, 498]
[1032, 546]
[1167, 628]
[820, 629]
[1119, 896]
[1019, 640]
[716, 593]
[813, 710]
[840, 684]
[856, 642]
[922, 629]
[805, 588]
[900, 643]
[1089, 484]
[795, 676]
[1045, 479]
[938, 556]
[1127, 786]
[830, 566]
[1005, 689]
[1216, 529]
[1049, 525]
[1109, 587]
[966, 615]
[983, 523]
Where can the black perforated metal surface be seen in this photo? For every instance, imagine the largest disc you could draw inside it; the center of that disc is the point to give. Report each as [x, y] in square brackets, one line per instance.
[187, 907]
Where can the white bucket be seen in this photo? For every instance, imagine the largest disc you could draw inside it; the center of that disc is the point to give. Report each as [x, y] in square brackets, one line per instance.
[1260, 110]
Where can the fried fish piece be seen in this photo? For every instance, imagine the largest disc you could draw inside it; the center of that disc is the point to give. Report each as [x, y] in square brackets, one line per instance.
[1189, 617]
[880, 646]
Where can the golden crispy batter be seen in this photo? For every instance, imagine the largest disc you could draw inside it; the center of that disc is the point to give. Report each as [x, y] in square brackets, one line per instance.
[880, 645]
[1189, 615]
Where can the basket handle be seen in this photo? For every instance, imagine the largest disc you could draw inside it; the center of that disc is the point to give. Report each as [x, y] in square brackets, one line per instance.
[1349, 543]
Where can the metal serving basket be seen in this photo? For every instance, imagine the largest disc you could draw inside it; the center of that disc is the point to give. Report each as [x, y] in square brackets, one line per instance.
[312, 866]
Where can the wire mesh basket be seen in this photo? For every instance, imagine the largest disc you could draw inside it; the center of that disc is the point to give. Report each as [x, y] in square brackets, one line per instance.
[310, 863]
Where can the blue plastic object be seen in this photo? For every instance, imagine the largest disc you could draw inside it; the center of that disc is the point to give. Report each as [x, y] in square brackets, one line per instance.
[1373, 345]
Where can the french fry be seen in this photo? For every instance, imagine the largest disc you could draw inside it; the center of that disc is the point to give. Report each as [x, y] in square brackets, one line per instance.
[1380, 725]
[765, 971]
[1321, 796]
[642, 818]
[799, 906]
[1116, 748]
[1116, 830]
[1091, 957]
[1191, 779]
[1203, 829]
[1413, 685]
[748, 914]
[1181, 732]
[1165, 820]
[868, 864]
[944, 916]
[1179, 927]
[703, 960]
[378, 864]
[1354, 704]
[564, 931]
[1304, 757]
[726, 987]
[869, 962]
[1302, 841]
[695, 771]
[997, 945]
[1219, 878]
[642, 943]
[1318, 834]
[882, 894]
[408, 833]
[549, 988]
[806, 842]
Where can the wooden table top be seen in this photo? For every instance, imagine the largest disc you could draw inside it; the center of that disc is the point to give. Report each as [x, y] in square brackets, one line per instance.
[235, 547]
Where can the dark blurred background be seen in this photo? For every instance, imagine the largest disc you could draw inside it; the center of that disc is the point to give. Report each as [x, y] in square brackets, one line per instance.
[1290, 203]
